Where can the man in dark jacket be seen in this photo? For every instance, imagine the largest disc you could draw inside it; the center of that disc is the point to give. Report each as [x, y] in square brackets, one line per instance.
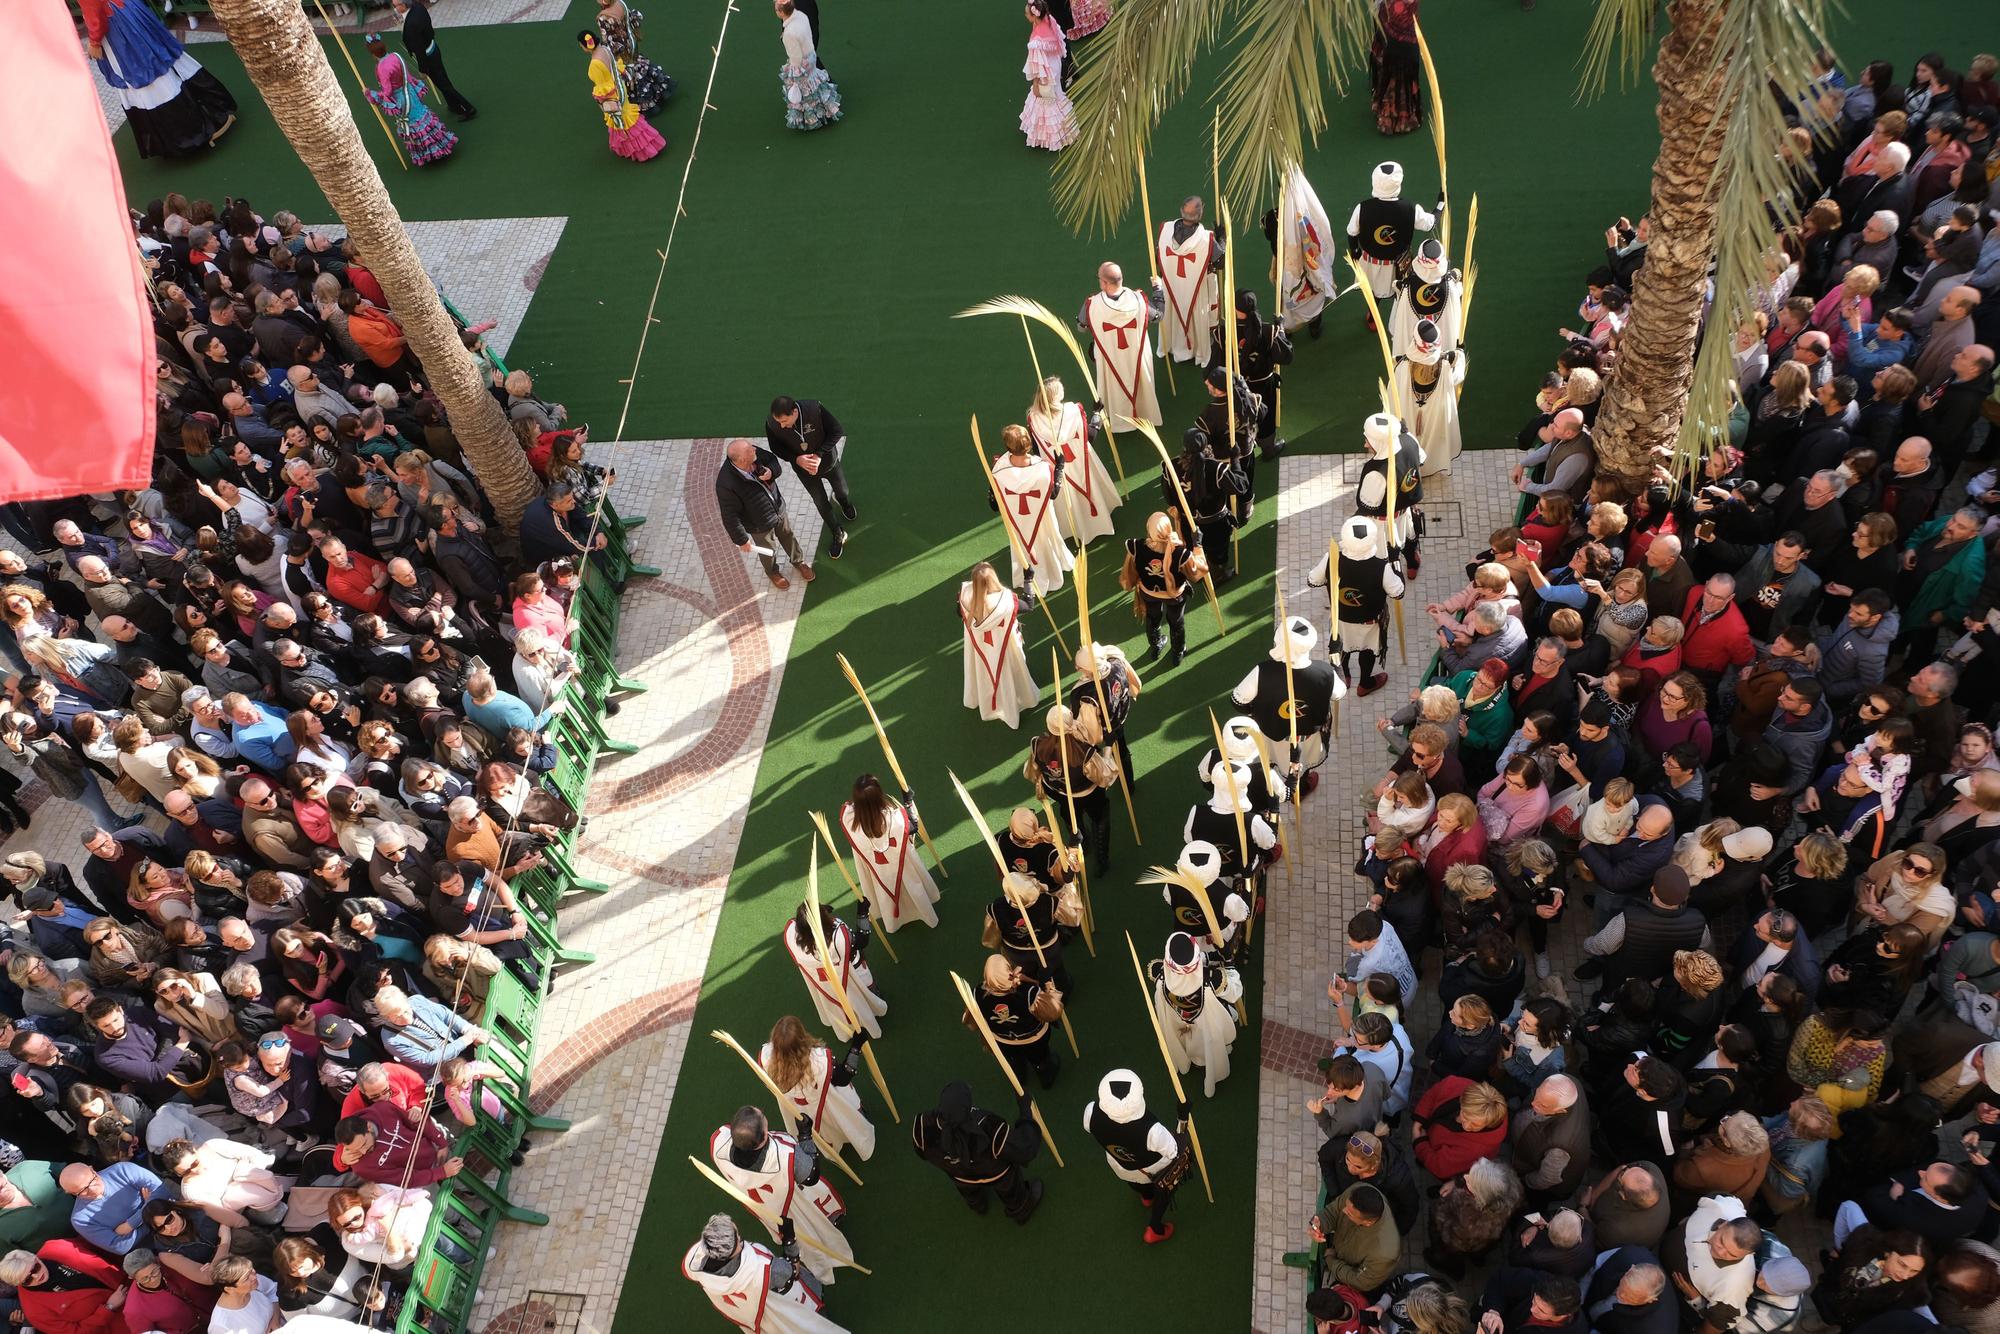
[753, 510]
[1799, 728]
[142, 1048]
[1948, 415]
[1551, 1141]
[1528, 1299]
[1774, 944]
[1623, 869]
[1641, 941]
[804, 434]
[1628, 1295]
[1364, 1157]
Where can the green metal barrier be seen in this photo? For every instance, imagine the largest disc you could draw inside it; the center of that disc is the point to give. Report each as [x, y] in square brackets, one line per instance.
[468, 1208]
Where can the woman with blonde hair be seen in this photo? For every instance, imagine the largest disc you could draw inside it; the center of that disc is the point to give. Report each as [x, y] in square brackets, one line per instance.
[1889, 128]
[1688, 1004]
[887, 863]
[28, 611]
[999, 682]
[1908, 886]
[195, 773]
[123, 956]
[1798, 1138]
[818, 1085]
[1850, 303]
[1437, 703]
[159, 891]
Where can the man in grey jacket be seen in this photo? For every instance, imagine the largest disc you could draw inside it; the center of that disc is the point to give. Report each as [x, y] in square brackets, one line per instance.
[1853, 656]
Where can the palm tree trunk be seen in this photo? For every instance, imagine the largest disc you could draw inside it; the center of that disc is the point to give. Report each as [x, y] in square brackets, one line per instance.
[1648, 393]
[284, 59]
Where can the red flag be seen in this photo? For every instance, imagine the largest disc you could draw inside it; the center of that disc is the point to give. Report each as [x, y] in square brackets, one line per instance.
[76, 337]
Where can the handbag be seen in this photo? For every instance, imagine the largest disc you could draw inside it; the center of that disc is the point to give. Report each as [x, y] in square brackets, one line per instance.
[130, 789]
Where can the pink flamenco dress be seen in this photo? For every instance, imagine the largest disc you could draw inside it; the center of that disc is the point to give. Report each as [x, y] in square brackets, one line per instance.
[1047, 118]
[424, 136]
[1087, 16]
[631, 136]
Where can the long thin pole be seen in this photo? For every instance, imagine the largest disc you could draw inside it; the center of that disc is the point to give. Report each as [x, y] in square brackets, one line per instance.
[1153, 264]
[889, 754]
[784, 1103]
[1069, 797]
[1014, 542]
[1278, 289]
[1173, 1073]
[1034, 939]
[1082, 573]
[341, 42]
[992, 1045]
[840, 864]
[763, 1215]
[839, 987]
[1437, 138]
[1180, 493]
[1236, 806]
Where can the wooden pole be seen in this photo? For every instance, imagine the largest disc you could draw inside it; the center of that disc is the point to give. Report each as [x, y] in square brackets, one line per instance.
[993, 846]
[1062, 749]
[1437, 138]
[1082, 574]
[819, 822]
[767, 1217]
[1242, 829]
[840, 988]
[1153, 265]
[1036, 311]
[784, 1103]
[889, 754]
[395, 144]
[1278, 285]
[1333, 611]
[1173, 1073]
[1180, 492]
[1014, 543]
[993, 1045]
[1231, 361]
[1395, 541]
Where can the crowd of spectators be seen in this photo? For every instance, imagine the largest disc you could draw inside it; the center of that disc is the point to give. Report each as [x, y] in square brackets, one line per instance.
[1745, 727]
[304, 688]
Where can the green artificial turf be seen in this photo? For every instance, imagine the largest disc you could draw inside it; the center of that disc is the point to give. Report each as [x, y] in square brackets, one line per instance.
[828, 265]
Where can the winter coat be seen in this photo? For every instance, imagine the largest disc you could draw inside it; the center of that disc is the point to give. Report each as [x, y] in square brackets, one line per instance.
[1460, 1225]
[1949, 590]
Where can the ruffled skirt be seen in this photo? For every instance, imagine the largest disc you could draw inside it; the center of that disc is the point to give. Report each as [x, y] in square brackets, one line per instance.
[647, 83]
[640, 143]
[1088, 16]
[1048, 122]
[183, 111]
[811, 99]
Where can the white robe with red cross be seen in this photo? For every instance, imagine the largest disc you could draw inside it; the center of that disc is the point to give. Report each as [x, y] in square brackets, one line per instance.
[1120, 331]
[890, 871]
[838, 1120]
[1028, 508]
[854, 977]
[1083, 511]
[998, 681]
[745, 1299]
[772, 1184]
[1192, 304]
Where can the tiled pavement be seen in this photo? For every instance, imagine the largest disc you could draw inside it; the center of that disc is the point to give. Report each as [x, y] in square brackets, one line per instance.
[711, 637]
[1308, 905]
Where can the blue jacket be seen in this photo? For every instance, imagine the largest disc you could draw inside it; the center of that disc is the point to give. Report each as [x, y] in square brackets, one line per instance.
[265, 743]
[1866, 355]
[1851, 660]
[1627, 867]
[1800, 741]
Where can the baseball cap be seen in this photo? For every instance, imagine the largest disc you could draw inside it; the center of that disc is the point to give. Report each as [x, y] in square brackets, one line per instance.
[39, 900]
[332, 1028]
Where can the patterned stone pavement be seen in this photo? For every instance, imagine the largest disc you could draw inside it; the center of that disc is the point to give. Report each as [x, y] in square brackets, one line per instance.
[711, 637]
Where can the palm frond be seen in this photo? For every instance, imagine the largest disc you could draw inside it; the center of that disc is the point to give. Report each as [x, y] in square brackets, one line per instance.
[1759, 47]
[1621, 35]
[1273, 93]
[1031, 309]
[1127, 77]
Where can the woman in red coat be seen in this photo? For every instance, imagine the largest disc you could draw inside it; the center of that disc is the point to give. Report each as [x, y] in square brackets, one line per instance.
[1459, 1122]
[1456, 835]
[66, 1288]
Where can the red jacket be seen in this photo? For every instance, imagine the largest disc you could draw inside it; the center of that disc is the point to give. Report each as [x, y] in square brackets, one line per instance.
[1445, 1151]
[82, 1310]
[181, 1306]
[1718, 645]
[355, 585]
[1467, 845]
